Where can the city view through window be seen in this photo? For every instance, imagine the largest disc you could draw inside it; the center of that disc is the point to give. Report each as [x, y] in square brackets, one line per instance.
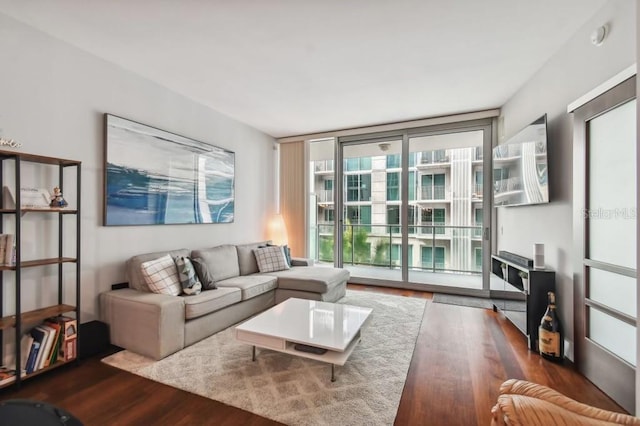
[444, 207]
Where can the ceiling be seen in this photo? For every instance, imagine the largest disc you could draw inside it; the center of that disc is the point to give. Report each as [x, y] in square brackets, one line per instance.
[296, 67]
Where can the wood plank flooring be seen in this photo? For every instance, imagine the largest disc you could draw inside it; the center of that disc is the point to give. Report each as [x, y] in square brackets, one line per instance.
[462, 356]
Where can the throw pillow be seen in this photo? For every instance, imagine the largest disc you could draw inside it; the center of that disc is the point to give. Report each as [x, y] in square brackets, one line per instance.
[161, 276]
[271, 259]
[285, 248]
[187, 275]
[204, 276]
[287, 254]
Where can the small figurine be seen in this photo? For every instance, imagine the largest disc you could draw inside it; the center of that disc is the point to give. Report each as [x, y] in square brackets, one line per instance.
[56, 199]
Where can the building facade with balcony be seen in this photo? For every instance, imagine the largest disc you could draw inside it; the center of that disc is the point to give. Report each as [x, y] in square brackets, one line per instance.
[444, 213]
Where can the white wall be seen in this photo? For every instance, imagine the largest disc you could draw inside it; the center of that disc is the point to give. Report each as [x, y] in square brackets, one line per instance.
[52, 99]
[574, 70]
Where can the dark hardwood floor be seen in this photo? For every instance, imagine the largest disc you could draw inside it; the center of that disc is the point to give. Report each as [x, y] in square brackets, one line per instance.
[462, 356]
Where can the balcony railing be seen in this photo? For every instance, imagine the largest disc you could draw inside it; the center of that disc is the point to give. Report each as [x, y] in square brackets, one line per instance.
[435, 192]
[325, 196]
[507, 185]
[373, 245]
[477, 190]
[434, 157]
[323, 166]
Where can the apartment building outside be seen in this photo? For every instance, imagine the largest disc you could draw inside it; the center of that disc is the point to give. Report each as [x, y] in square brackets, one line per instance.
[444, 215]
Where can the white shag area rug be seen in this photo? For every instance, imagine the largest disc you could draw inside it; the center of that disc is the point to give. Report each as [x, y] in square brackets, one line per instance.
[294, 390]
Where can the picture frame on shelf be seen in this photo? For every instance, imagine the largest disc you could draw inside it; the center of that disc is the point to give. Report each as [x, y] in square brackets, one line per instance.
[30, 198]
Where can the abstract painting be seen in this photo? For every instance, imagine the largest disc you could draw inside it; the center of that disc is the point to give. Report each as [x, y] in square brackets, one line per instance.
[155, 177]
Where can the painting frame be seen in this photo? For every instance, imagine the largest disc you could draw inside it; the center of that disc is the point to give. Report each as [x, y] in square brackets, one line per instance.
[156, 177]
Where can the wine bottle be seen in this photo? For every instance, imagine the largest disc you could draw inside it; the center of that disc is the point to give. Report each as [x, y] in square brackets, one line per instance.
[550, 339]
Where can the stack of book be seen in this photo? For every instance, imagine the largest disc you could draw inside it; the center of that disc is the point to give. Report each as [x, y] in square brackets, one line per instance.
[8, 375]
[53, 340]
[7, 249]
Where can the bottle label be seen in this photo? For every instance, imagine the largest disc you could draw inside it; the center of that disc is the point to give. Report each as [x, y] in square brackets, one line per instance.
[549, 342]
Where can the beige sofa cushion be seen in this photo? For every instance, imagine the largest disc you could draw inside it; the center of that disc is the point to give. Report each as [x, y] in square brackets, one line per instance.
[210, 301]
[251, 285]
[134, 268]
[310, 278]
[246, 258]
[222, 261]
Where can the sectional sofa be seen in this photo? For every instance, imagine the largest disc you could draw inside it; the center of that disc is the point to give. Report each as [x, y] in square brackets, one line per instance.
[157, 325]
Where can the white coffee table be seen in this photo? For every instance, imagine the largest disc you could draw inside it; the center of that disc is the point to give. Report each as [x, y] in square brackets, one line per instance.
[330, 326]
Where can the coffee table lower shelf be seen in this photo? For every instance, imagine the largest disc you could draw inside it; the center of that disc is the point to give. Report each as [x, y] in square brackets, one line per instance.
[332, 356]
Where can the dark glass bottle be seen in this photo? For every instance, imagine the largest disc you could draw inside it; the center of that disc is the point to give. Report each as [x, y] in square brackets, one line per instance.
[550, 338]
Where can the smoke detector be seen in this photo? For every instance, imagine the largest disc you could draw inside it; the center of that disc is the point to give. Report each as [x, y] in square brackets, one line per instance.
[598, 35]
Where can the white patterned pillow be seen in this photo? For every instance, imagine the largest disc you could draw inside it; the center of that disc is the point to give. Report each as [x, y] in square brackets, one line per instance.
[161, 276]
[271, 259]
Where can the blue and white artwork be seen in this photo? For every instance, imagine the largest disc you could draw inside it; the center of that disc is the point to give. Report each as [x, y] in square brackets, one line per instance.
[156, 177]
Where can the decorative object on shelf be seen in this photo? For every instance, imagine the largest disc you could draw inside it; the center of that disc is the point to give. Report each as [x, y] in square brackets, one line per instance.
[32, 198]
[156, 177]
[56, 199]
[7, 249]
[538, 256]
[525, 280]
[503, 266]
[10, 143]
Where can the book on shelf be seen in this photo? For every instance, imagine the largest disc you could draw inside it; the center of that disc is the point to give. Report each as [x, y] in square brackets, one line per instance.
[67, 338]
[8, 375]
[40, 336]
[46, 354]
[7, 249]
[57, 339]
[25, 349]
[33, 355]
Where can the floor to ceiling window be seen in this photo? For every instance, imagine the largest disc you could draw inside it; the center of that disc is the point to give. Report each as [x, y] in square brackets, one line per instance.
[405, 207]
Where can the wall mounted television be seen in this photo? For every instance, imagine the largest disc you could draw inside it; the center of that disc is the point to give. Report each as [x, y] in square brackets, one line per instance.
[520, 175]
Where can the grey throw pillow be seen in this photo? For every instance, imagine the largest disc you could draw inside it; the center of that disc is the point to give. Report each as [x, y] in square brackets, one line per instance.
[271, 259]
[285, 249]
[187, 276]
[202, 271]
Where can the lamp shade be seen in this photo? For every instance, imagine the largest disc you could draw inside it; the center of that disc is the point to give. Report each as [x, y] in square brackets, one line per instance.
[277, 230]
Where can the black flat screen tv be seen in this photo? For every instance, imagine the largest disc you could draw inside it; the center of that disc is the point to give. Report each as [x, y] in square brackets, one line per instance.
[520, 174]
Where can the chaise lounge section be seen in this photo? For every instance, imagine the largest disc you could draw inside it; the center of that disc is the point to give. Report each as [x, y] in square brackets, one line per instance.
[157, 325]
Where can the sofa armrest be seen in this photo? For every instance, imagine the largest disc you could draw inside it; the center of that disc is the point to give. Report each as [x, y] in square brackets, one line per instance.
[301, 261]
[149, 324]
[523, 402]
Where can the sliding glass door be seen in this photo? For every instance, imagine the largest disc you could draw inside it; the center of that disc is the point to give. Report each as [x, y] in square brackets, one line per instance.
[412, 209]
[449, 207]
[372, 209]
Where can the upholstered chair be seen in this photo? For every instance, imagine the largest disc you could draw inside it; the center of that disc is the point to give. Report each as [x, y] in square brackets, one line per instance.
[525, 403]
